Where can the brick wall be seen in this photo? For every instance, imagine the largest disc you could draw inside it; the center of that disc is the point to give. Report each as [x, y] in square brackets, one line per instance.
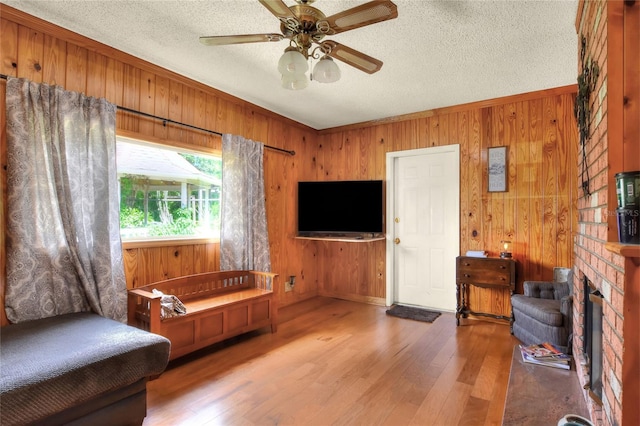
[601, 266]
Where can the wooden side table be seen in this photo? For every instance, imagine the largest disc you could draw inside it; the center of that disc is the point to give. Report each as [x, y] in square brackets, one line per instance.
[486, 272]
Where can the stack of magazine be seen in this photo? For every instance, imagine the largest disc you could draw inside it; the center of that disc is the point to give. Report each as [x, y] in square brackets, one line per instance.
[545, 354]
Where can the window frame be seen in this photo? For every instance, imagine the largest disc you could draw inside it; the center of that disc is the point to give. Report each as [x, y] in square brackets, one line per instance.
[180, 147]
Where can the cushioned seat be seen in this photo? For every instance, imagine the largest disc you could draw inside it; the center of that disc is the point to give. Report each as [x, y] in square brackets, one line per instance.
[54, 364]
[543, 312]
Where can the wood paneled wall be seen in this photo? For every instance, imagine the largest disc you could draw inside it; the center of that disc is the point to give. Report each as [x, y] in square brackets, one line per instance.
[42, 52]
[153, 262]
[537, 213]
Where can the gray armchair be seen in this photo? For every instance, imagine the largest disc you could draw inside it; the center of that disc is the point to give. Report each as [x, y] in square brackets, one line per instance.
[543, 312]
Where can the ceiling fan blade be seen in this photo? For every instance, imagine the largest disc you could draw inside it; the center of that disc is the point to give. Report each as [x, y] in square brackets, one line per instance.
[352, 57]
[239, 39]
[360, 16]
[278, 8]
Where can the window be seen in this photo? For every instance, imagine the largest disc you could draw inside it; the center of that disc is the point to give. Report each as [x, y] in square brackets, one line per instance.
[167, 193]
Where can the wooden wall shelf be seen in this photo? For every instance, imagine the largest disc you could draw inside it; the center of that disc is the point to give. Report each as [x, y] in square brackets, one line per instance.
[344, 239]
[626, 250]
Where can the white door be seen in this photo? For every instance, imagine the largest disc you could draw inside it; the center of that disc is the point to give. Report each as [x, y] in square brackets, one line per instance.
[424, 226]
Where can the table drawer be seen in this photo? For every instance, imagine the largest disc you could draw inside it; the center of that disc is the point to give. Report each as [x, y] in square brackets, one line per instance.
[484, 271]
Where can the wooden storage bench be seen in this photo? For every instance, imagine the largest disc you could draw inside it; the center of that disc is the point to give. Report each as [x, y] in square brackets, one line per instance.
[219, 305]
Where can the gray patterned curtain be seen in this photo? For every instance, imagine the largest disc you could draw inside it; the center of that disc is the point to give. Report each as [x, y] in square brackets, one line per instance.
[244, 240]
[64, 252]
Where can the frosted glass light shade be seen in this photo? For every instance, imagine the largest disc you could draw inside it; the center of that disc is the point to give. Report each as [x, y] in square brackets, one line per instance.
[292, 62]
[326, 71]
[295, 81]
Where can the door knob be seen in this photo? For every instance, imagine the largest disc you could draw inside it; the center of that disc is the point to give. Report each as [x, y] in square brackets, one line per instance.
[397, 240]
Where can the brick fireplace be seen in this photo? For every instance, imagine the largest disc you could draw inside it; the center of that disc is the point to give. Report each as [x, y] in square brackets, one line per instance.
[611, 31]
[592, 351]
[618, 282]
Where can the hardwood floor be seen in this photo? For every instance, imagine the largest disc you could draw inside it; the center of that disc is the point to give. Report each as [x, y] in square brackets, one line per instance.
[340, 362]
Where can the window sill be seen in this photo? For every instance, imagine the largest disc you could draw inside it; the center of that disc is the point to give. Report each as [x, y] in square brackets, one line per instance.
[166, 242]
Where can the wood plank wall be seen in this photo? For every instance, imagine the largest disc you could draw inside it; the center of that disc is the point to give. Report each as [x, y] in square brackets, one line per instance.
[537, 213]
[42, 52]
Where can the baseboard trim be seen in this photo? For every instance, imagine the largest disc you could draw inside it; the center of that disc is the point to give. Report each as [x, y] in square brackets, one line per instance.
[380, 301]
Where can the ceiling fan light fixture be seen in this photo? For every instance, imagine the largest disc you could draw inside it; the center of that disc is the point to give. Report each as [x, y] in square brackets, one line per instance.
[295, 81]
[326, 71]
[305, 26]
[292, 62]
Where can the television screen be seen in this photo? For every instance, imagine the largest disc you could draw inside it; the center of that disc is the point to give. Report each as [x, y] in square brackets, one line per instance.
[340, 207]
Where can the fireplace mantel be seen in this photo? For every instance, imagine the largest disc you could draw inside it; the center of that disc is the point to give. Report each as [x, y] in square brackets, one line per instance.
[625, 250]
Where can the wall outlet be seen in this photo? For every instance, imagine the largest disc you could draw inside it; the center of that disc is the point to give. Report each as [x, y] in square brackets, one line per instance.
[288, 285]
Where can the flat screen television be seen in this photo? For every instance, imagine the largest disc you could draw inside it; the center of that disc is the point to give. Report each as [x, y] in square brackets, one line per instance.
[335, 208]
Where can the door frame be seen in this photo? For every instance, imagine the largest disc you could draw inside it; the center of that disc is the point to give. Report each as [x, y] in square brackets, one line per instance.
[390, 189]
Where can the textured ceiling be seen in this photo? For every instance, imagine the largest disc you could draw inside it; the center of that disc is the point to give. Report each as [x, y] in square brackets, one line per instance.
[435, 54]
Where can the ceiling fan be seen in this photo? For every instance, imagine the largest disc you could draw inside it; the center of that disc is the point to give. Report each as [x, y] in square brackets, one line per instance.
[306, 27]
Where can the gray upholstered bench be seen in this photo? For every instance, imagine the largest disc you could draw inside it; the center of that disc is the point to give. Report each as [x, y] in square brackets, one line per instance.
[77, 369]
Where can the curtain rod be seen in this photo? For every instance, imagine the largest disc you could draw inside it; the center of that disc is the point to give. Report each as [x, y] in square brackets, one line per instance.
[168, 120]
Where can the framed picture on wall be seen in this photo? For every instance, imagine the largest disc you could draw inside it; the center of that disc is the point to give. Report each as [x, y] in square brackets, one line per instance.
[497, 167]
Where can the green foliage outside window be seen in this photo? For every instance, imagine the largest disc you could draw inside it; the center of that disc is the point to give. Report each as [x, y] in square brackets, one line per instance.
[130, 217]
[180, 224]
[166, 212]
[208, 165]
